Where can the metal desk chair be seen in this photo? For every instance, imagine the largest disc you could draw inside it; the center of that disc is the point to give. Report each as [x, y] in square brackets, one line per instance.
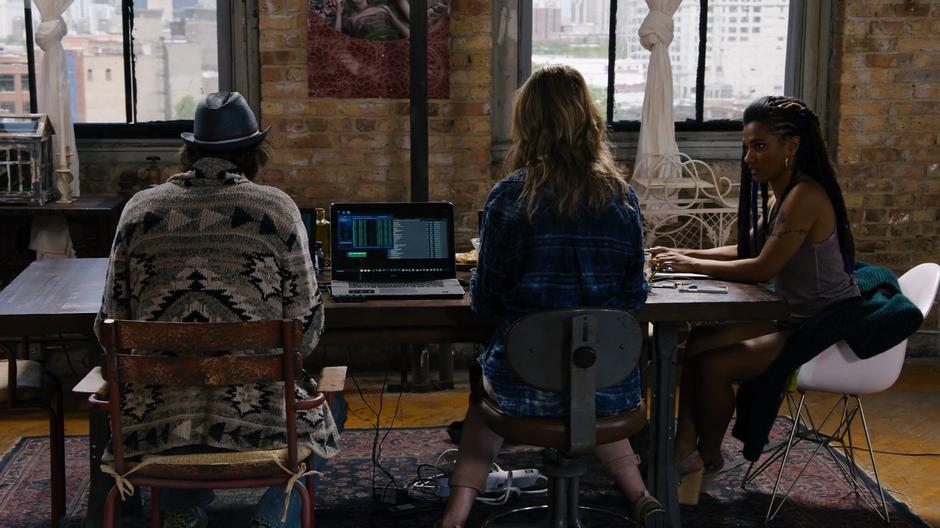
[245, 469]
[576, 351]
[837, 370]
[26, 384]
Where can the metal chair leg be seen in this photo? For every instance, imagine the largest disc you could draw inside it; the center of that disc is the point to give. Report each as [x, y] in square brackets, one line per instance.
[843, 436]
[874, 468]
[778, 450]
[810, 434]
[771, 512]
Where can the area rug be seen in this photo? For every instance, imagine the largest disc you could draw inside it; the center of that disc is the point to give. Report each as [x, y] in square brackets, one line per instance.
[344, 494]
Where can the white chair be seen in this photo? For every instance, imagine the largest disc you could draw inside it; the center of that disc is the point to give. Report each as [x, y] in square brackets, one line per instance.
[837, 370]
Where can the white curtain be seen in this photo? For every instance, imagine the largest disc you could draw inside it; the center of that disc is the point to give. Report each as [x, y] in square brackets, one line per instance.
[657, 126]
[54, 98]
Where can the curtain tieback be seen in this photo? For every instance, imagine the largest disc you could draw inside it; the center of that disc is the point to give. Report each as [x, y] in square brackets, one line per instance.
[656, 28]
[50, 32]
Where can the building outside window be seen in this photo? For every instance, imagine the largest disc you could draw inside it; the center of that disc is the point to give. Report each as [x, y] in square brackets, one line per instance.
[159, 57]
[713, 84]
[7, 107]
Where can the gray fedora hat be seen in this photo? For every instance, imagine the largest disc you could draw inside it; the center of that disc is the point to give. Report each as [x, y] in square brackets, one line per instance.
[224, 121]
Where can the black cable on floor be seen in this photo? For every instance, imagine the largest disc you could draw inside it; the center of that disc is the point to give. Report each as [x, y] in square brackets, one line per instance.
[375, 441]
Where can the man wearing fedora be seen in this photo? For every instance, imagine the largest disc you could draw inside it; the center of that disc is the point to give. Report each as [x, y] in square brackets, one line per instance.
[211, 245]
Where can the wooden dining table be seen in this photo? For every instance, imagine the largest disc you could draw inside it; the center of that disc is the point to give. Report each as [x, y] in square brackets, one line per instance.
[394, 321]
[63, 296]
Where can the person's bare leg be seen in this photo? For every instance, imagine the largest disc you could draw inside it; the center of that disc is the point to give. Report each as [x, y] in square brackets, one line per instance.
[702, 339]
[478, 448]
[618, 459]
[714, 398]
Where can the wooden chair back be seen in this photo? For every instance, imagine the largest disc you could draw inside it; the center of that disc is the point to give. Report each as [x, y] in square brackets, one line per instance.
[121, 337]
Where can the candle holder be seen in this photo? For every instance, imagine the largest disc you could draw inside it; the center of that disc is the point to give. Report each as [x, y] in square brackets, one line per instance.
[64, 179]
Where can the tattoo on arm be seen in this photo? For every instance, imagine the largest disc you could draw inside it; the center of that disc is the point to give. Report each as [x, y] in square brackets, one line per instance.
[786, 232]
[780, 222]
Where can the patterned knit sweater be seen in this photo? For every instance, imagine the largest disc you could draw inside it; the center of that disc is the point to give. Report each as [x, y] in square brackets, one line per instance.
[209, 245]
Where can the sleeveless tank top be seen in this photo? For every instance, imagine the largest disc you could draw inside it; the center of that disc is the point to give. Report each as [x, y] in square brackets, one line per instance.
[815, 277]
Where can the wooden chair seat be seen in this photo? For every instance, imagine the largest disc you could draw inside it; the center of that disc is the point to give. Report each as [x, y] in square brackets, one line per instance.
[553, 432]
[231, 465]
[28, 380]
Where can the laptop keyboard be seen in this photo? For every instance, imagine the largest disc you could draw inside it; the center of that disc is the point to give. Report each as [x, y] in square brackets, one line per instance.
[424, 284]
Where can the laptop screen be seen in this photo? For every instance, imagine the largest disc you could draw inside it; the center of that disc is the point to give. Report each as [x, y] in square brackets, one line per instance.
[399, 241]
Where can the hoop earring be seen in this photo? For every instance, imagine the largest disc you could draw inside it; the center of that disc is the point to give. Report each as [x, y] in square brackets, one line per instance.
[786, 162]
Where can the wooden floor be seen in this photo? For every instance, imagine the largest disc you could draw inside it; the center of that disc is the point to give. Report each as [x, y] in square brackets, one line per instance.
[904, 419]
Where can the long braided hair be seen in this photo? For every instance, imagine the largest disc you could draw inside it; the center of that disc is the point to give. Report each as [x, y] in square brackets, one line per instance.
[787, 117]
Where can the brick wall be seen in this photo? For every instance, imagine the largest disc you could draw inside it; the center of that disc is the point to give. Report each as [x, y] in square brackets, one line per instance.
[358, 149]
[887, 132]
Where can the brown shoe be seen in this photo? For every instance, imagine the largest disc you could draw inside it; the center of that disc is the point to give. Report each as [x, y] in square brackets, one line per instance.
[647, 511]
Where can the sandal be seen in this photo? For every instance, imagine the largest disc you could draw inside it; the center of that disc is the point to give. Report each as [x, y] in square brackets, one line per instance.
[690, 481]
[648, 512]
[694, 483]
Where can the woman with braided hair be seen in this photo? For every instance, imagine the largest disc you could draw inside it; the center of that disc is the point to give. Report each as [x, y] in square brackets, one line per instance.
[800, 239]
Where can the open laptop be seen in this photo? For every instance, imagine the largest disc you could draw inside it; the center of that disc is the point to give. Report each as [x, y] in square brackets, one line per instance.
[399, 249]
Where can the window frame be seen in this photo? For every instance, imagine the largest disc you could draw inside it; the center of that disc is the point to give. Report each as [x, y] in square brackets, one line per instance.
[237, 29]
[807, 76]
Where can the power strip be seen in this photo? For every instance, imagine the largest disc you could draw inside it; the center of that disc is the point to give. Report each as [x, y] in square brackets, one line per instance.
[521, 478]
[498, 481]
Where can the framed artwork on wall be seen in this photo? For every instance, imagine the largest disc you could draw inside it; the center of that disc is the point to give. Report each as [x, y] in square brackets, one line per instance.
[360, 48]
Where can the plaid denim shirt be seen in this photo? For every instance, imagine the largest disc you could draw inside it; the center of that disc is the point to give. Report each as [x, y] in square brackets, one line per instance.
[551, 262]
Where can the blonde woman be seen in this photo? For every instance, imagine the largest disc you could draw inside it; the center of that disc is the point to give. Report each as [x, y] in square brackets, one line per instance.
[562, 230]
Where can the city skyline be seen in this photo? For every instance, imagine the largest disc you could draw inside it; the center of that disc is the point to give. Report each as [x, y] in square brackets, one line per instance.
[175, 51]
[745, 54]
[175, 54]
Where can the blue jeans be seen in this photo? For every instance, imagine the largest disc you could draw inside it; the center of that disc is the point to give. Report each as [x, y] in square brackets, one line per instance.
[271, 506]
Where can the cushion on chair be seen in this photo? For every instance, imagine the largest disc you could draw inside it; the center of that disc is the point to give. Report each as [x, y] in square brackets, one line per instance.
[216, 466]
[552, 432]
[28, 380]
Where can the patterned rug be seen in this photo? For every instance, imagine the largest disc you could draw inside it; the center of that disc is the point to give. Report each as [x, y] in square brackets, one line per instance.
[344, 493]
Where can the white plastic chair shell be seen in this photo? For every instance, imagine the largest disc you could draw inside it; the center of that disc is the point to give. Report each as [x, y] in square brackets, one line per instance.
[838, 370]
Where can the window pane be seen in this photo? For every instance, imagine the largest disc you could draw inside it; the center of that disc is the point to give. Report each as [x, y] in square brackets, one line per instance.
[176, 49]
[576, 33]
[14, 97]
[633, 60]
[7, 82]
[95, 42]
[746, 55]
